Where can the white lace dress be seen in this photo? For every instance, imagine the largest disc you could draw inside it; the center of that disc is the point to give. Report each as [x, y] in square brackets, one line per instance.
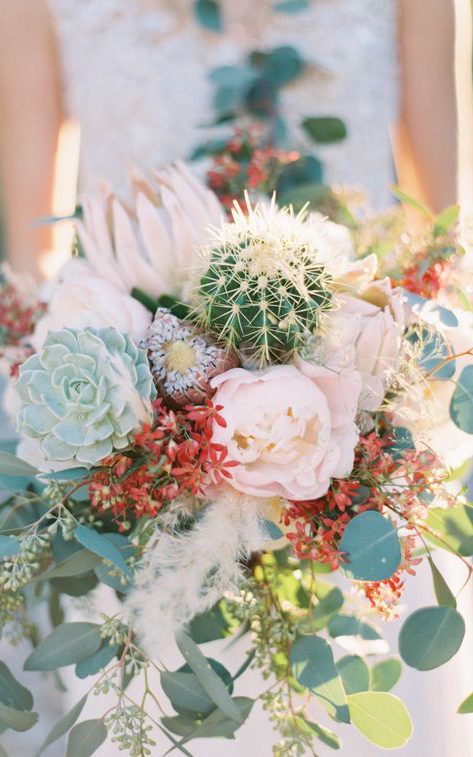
[136, 77]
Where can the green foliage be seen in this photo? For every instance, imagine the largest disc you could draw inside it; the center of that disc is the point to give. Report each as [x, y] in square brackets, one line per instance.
[291, 6]
[212, 684]
[461, 404]
[12, 693]
[85, 738]
[402, 442]
[454, 527]
[354, 673]
[314, 668]
[411, 201]
[349, 625]
[430, 637]
[381, 717]
[446, 220]
[432, 352]
[17, 720]
[10, 465]
[187, 695]
[466, 706]
[371, 546]
[9, 546]
[102, 546]
[385, 674]
[216, 725]
[443, 592]
[98, 661]
[325, 129]
[299, 180]
[214, 624]
[330, 603]
[64, 725]
[69, 643]
[209, 14]
[77, 564]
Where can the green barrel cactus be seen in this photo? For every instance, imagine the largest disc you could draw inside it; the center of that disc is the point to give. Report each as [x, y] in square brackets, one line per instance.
[84, 394]
[266, 286]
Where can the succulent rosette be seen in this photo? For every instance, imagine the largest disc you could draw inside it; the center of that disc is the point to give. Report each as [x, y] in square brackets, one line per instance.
[84, 394]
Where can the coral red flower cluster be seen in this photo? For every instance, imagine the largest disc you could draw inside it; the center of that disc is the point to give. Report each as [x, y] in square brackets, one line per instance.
[17, 319]
[171, 458]
[427, 280]
[246, 163]
[382, 478]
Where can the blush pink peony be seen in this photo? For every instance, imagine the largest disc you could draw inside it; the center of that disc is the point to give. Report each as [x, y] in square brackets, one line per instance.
[291, 429]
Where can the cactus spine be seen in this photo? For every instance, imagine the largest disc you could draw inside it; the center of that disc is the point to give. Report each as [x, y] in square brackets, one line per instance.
[266, 286]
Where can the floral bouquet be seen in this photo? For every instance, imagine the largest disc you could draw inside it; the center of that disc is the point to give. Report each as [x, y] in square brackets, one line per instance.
[242, 426]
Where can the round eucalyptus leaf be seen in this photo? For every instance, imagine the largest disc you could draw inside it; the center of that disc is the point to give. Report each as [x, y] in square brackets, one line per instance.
[381, 717]
[385, 674]
[466, 706]
[430, 637]
[371, 547]
[354, 673]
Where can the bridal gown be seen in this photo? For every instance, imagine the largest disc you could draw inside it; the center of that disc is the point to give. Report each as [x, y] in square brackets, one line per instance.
[135, 75]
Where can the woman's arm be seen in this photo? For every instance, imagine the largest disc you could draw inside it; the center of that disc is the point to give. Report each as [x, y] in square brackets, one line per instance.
[427, 144]
[30, 115]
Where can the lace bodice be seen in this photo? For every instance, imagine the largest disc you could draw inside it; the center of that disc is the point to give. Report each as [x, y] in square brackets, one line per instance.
[136, 77]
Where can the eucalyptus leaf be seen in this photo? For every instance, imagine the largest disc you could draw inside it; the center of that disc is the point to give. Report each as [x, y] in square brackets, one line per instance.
[69, 643]
[385, 674]
[9, 546]
[215, 725]
[461, 404]
[443, 592]
[430, 637]
[209, 14]
[85, 738]
[314, 668]
[324, 735]
[411, 201]
[210, 625]
[354, 673]
[10, 465]
[282, 65]
[70, 474]
[446, 220]
[381, 717]
[12, 693]
[271, 529]
[97, 543]
[77, 564]
[291, 6]
[210, 681]
[17, 720]
[466, 706]
[330, 603]
[75, 586]
[63, 726]
[186, 693]
[324, 129]
[371, 547]
[98, 661]
[454, 526]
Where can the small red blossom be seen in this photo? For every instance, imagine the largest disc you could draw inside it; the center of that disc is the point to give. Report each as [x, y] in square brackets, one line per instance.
[173, 457]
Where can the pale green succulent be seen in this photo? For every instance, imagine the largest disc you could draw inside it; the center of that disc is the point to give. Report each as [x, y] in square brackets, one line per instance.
[84, 394]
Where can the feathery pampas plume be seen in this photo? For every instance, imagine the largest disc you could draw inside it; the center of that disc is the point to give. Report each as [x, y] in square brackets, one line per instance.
[186, 573]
